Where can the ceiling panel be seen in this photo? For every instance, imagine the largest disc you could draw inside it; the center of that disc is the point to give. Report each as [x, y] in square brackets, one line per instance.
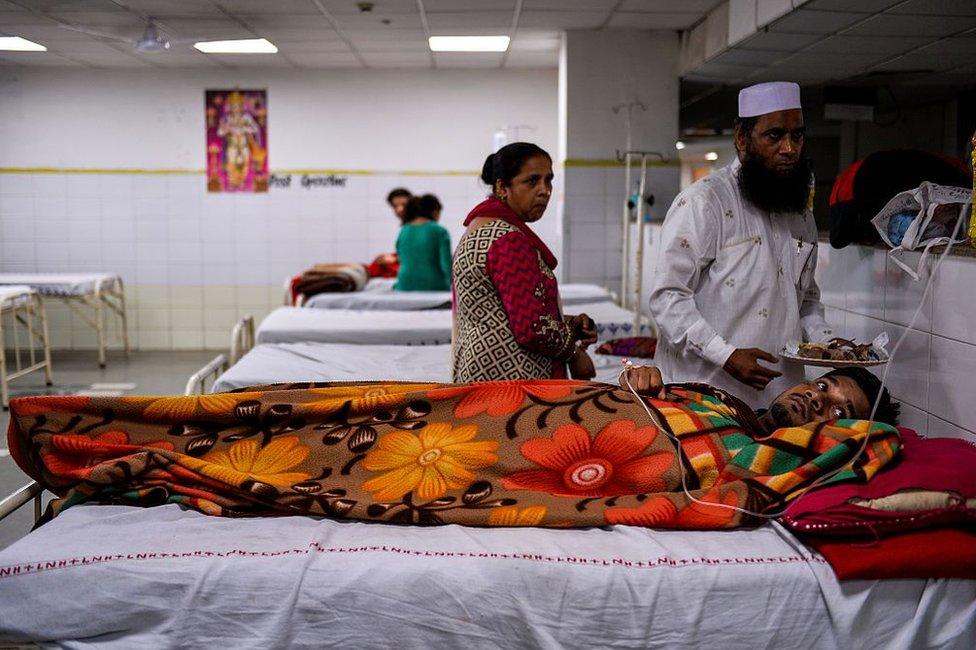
[278, 35]
[816, 22]
[91, 46]
[312, 47]
[842, 44]
[117, 60]
[753, 58]
[468, 60]
[562, 19]
[341, 7]
[571, 5]
[957, 45]
[870, 6]
[72, 5]
[255, 60]
[529, 59]
[47, 35]
[187, 60]
[500, 21]
[262, 21]
[778, 41]
[37, 59]
[20, 18]
[653, 20]
[160, 8]
[398, 59]
[385, 35]
[523, 43]
[210, 30]
[701, 7]
[432, 6]
[9, 6]
[937, 7]
[904, 25]
[392, 45]
[324, 60]
[922, 61]
[98, 19]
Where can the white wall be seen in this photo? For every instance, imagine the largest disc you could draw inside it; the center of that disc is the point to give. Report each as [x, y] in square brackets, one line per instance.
[194, 261]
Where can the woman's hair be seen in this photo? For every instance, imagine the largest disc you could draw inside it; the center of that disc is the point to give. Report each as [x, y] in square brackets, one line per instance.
[505, 164]
[421, 207]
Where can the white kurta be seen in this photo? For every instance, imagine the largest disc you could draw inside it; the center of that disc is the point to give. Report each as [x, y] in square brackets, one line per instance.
[729, 275]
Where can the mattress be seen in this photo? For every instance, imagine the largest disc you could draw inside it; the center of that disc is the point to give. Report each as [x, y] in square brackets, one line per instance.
[123, 577]
[273, 363]
[379, 294]
[421, 327]
[14, 294]
[58, 284]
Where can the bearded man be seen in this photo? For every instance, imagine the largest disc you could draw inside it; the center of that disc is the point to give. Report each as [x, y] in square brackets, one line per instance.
[734, 279]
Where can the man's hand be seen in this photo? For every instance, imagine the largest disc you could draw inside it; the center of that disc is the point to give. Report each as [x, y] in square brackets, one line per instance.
[645, 380]
[744, 366]
[584, 329]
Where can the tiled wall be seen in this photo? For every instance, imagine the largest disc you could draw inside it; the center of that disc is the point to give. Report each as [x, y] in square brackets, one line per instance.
[194, 262]
[592, 219]
[934, 372]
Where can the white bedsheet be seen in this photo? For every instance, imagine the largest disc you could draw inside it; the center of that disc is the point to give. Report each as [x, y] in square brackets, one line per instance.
[379, 294]
[58, 284]
[123, 577]
[422, 327]
[14, 293]
[274, 363]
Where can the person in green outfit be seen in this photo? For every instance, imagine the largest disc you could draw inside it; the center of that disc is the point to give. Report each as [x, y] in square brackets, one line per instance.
[424, 248]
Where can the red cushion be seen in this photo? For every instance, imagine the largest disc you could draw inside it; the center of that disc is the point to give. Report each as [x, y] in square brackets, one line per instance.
[931, 464]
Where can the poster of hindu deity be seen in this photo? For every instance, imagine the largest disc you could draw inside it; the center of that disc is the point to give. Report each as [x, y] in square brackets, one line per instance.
[237, 140]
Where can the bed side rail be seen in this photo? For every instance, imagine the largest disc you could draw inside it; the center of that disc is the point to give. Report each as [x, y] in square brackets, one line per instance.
[197, 383]
[241, 339]
[12, 503]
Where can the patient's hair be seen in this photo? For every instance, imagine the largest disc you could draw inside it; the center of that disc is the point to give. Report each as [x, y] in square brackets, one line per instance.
[505, 164]
[421, 207]
[397, 193]
[888, 410]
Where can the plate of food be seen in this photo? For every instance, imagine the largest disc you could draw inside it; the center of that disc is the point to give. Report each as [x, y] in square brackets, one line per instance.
[839, 353]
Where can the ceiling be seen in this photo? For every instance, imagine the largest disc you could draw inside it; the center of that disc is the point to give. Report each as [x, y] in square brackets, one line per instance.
[908, 42]
[323, 33]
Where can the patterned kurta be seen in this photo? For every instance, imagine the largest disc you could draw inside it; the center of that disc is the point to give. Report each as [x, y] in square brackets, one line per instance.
[507, 319]
[728, 276]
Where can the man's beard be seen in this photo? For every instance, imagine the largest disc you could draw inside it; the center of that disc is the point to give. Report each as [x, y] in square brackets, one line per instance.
[771, 191]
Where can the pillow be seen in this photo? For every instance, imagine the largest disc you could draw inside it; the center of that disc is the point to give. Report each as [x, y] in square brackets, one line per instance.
[638, 347]
[932, 483]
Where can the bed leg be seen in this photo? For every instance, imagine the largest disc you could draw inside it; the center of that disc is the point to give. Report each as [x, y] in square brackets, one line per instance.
[100, 327]
[124, 316]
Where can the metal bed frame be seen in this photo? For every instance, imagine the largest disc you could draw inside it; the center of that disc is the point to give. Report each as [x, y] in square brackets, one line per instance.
[25, 307]
[242, 340]
[109, 294]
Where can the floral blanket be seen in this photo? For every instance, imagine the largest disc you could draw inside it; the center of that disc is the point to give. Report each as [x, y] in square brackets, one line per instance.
[519, 453]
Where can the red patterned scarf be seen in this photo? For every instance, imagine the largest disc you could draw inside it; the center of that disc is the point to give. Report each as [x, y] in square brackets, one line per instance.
[493, 208]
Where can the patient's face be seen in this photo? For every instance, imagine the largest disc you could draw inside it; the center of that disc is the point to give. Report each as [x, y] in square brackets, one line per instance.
[826, 398]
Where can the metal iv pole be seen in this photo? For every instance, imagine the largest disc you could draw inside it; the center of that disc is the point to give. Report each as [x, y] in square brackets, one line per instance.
[625, 232]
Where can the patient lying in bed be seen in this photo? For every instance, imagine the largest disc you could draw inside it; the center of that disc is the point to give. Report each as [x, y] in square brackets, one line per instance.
[554, 453]
[843, 393]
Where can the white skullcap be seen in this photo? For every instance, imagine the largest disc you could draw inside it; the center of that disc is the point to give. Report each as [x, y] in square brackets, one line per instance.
[768, 98]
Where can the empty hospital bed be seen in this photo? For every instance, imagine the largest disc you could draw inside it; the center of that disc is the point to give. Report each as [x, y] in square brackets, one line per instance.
[421, 327]
[379, 294]
[96, 291]
[23, 330]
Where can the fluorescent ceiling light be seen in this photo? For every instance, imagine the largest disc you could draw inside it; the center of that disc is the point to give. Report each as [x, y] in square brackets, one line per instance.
[18, 44]
[711, 155]
[679, 145]
[468, 43]
[245, 46]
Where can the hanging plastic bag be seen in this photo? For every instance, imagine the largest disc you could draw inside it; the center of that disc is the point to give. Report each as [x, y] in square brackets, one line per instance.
[921, 218]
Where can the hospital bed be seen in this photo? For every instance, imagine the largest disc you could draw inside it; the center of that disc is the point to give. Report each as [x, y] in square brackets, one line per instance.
[379, 295]
[422, 327]
[23, 311]
[121, 576]
[97, 292]
[279, 363]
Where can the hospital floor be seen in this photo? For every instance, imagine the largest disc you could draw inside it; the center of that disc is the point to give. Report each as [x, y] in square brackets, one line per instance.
[143, 373]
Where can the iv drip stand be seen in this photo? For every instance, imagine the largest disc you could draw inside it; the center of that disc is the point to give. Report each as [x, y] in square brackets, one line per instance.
[625, 232]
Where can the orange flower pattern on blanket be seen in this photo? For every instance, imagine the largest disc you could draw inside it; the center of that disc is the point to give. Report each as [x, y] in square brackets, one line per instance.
[437, 459]
[513, 516]
[532, 453]
[247, 460]
[181, 408]
[662, 512]
[362, 399]
[501, 397]
[611, 464]
[77, 457]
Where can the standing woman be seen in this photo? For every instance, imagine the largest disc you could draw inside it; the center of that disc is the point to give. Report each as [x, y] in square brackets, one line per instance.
[424, 247]
[508, 322]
